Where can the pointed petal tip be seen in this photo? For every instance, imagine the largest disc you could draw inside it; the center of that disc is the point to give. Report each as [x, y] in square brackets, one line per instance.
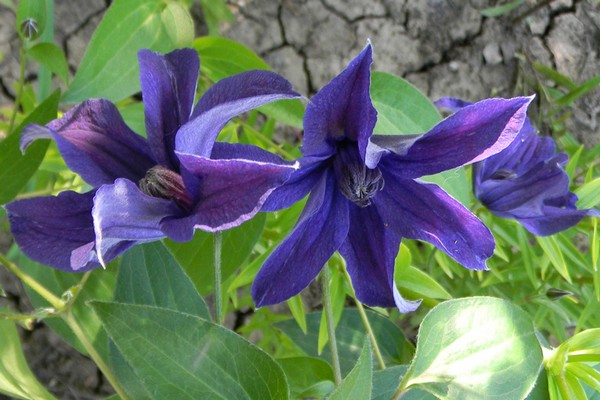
[31, 133]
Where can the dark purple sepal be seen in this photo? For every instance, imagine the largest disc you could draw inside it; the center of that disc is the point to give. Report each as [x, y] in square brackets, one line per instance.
[423, 211]
[168, 88]
[342, 109]
[319, 232]
[370, 251]
[471, 134]
[96, 143]
[56, 230]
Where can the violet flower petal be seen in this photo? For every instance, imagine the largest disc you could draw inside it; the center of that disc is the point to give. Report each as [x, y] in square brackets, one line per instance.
[168, 88]
[470, 135]
[224, 100]
[298, 186]
[341, 109]
[95, 143]
[370, 252]
[319, 232]
[231, 192]
[56, 230]
[423, 211]
[555, 219]
[123, 214]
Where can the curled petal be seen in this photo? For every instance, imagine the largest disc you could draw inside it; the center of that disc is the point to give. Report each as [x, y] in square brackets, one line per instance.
[123, 215]
[425, 212]
[168, 88]
[56, 230]
[555, 219]
[224, 100]
[95, 143]
[370, 251]
[230, 193]
[524, 195]
[342, 109]
[319, 232]
[470, 135]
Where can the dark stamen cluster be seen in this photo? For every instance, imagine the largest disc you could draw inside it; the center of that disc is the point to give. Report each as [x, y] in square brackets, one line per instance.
[163, 183]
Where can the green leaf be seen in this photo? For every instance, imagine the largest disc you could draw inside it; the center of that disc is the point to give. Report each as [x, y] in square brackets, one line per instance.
[109, 68]
[579, 91]
[215, 12]
[589, 194]
[52, 57]
[182, 356]
[16, 379]
[196, 256]
[304, 373]
[222, 57]
[350, 334]
[99, 286]
[359, 382]
[421, 284]
[503, 9]
[16, 168]
[554, 76]
[551, 248]
[476, 348]
[297, 309]
[401, 107]
[149, 275]
[386, 382]
[455, 183]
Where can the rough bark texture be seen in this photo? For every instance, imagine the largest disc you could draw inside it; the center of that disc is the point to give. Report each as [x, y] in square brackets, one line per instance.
[444, 47]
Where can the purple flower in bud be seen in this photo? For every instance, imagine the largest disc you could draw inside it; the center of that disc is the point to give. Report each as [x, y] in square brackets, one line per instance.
[176, 181]
[365, 196]
[526, 181]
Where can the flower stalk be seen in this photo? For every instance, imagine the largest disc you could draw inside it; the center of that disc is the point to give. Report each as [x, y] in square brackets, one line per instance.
[20, 85]
[328, 310]
[217, 245]
[32, 283]
[367, 324]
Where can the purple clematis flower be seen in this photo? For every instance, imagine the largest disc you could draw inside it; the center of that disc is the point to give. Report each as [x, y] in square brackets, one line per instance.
[176, 181]
[526, 181]
[364, 196]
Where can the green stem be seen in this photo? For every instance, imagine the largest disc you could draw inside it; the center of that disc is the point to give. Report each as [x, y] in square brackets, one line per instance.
[328, 309]
[267, 141]
[217, 244]
[19, 88]
[50, 297]
[367, 324]
[44, 74]
[68, 318]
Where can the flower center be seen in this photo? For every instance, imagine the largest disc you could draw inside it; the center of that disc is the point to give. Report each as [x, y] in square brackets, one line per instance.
[503, 174]
[163, 183]
[357, 182]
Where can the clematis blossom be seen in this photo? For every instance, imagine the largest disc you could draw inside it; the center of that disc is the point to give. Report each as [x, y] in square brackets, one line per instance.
[365, 196]
[526, 181]
[176, 181]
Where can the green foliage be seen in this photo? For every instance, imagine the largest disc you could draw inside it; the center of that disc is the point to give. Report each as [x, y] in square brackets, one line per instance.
[51, 56]
[17, 168]
[197, 359]
[476, 348]
[307, 376]
[357, 385]
[16, 379]
[350, 334]
[109, 67]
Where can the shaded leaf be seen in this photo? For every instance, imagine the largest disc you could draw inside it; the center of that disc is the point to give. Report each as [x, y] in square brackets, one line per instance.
[350, 334]
[16, 168]
[359, 382]
[304, 373]
[182, 356]
[52, 57]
